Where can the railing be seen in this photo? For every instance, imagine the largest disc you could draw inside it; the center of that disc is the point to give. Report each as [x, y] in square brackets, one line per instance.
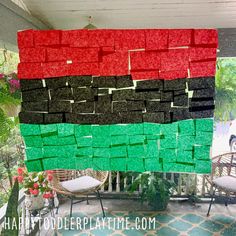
[186, 184]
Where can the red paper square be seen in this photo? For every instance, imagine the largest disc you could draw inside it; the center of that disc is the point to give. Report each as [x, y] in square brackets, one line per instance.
[142, 75]
[68, 37]
[114, 63]
[175, 60]
[180, 37]
[156, 39]
[108, 50]
[175, 74]
[129, 39]
[197, 54]
[145, 60]
[205, 36]
[55, 69]
[101, 38]
[84, 69]
[32, 54]
[81, 54]
[199, 69]
[55, 54]
[30, 71]
[47, 37]
[88, 38]
[25, 39]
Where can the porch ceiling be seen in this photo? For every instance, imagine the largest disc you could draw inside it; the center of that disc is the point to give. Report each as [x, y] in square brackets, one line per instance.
[65, 14]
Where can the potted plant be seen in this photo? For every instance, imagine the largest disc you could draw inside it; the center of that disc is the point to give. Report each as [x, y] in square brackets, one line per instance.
[155, 190]
[36, 187]
[10, 95]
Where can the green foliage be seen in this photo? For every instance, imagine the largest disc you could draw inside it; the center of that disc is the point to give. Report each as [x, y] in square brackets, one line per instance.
[155, 189]
[225, 100]
[12, 213]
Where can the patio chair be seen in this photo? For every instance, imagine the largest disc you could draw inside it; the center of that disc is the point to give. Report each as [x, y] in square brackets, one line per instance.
[79, 183]
[223, 177]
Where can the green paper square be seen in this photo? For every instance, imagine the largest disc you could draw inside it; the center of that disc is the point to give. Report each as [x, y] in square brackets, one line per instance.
[185, 142]
[60, 151]
[169, 129]
[136, 139]
[152, 164]
[85, 151]
[34, 153]
[101, 152]
[101, 130]
[65, 130]
[66, 163]
[204, 125]
[119, 140]
[135, 164]
[48, 129]
[29, 130]
[203, 167]
[168, 142]
[84, 141]
[34, 166]
[118, 164]
[101, 163]
[118, 129]
[203, 138]
[82, 163]
[153, 137]
[185, 156]
[177, 167]
[152, 149]
[118, 151]
[202, 152]
[187, 127]
[33, 141]
[152, 128]
[135, 129]
[101, 141]
[56, 141]
[136, 151]
[83, 130]
[49, 163]
[168, 155]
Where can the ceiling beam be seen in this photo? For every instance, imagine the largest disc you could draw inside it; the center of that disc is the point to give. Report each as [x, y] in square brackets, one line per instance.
[13, 18]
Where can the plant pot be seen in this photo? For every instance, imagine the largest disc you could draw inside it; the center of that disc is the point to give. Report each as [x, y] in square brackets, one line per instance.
[34, 202]
[160, 203]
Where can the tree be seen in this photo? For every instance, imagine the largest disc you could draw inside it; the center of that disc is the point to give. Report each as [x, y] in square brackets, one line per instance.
[225, 99]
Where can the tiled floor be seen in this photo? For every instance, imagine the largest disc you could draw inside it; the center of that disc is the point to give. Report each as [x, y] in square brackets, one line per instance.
[180, 219]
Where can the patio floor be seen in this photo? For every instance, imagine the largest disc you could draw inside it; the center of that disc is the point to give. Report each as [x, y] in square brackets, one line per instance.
[181, 218]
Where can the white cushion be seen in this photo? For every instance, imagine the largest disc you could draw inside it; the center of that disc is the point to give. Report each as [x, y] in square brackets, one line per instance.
[227, 183]
[80, 184]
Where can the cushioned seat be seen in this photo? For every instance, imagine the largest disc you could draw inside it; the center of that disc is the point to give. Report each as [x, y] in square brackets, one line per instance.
[228, 183]
[81, 184]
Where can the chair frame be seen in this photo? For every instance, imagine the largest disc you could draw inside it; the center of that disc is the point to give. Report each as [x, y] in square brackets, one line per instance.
[60, 175]
[222, 165]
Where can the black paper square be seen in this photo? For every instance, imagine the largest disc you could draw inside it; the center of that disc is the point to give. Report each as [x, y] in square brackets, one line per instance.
[35, 106]
[59, 106]
[83, 107]
[54, 83]
[35, 95]
[124, 81]
[29, 84]
[61, 94]
[80, 81]
[157, 117]
[31, 118]
[53, 118]
[119, 106]
[104, 82]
